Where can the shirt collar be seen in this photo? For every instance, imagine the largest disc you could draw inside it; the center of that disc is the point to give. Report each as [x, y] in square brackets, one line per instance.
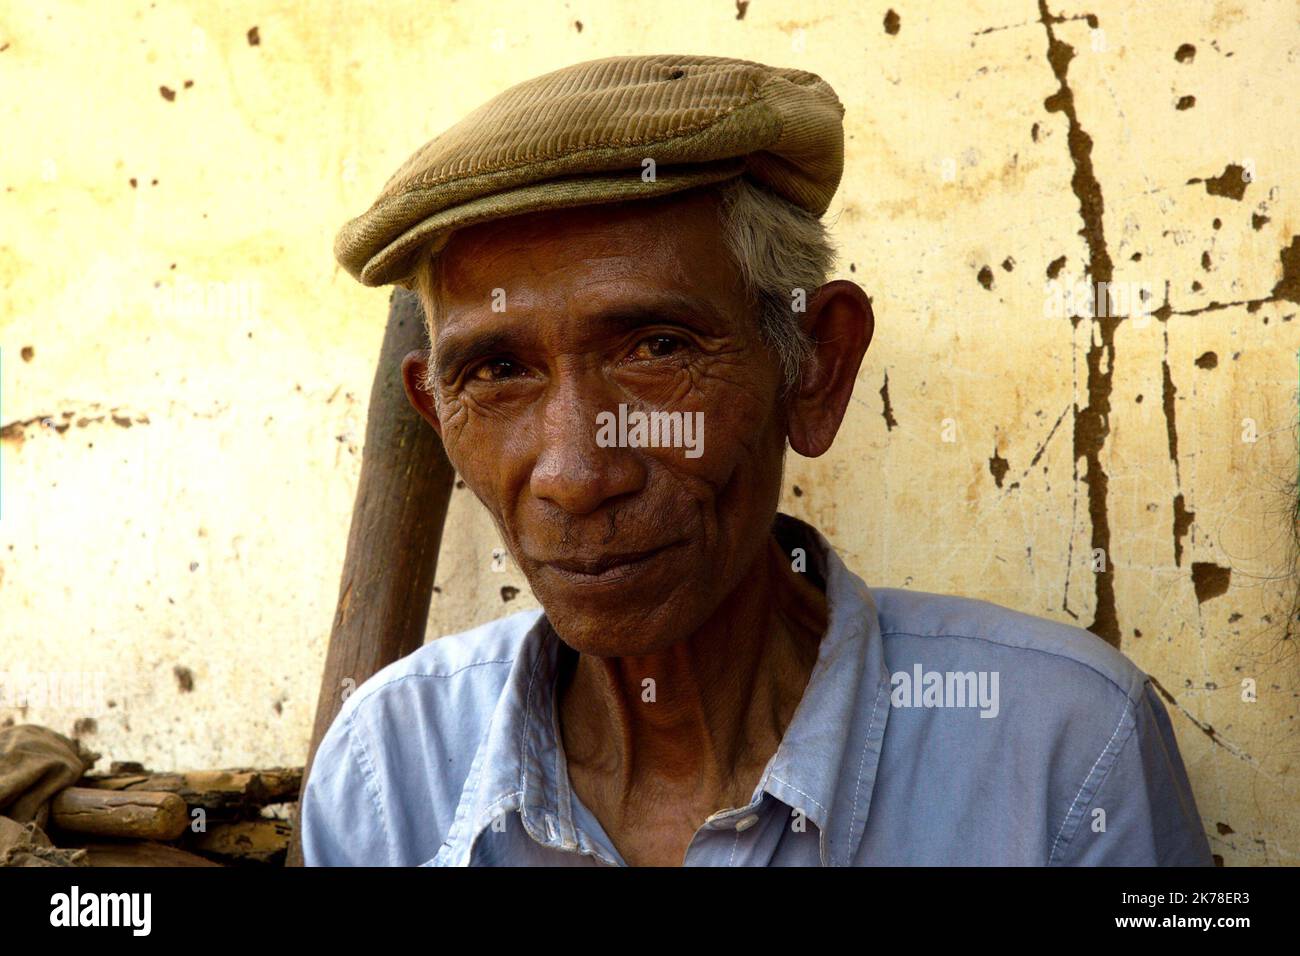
[825, 765]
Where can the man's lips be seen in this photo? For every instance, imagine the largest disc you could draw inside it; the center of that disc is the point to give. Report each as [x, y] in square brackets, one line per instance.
[607, 567]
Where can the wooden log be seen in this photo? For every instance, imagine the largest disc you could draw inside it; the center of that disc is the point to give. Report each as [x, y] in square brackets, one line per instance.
[247, 841]
[397, 520]
[140, 814]
[142, 853]
[218, 791]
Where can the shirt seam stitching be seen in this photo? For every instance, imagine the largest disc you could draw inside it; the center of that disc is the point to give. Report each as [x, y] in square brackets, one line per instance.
[371, 781]
[1015, 647]
[1128, 707]
[862, 763]
[405, 677]
[527, 721]
[731, 861]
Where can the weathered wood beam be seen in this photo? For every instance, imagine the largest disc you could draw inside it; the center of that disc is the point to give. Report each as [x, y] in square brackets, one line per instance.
[142, 853]
[397, 522]
[139, 814]
[247, 841]
[218, 791]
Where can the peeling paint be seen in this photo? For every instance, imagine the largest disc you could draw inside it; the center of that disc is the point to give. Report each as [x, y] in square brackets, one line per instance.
[1210, 580]
[1092, 422]
[1231, 183]
[998, 467]
[1182, 524]
[888, 410]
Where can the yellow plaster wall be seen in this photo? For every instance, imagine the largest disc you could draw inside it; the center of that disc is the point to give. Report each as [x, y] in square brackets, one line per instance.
[182, 441]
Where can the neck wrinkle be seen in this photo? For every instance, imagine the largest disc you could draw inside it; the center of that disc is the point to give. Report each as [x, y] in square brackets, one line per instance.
[723, 695]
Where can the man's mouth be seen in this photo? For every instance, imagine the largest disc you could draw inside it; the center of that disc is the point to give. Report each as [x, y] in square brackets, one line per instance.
[608, 568]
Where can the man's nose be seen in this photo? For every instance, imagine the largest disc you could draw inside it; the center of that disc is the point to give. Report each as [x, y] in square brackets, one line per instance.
[572, 470]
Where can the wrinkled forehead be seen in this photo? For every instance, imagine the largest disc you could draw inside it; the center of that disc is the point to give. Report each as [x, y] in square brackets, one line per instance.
[673, 242]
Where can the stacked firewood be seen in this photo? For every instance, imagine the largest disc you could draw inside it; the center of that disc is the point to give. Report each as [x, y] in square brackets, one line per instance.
[133, 817]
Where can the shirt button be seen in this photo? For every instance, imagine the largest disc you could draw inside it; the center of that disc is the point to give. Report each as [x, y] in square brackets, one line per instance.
[744, 823]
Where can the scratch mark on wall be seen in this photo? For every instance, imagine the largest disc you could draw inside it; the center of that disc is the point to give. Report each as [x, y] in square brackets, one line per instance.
[1201, 725]
[1287, 289]
[1043, 447]
[1091, 18]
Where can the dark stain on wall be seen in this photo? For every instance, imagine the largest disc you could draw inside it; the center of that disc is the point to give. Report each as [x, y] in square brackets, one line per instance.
[1182, 524]
[1092, 422]
[890, 421]
[1231, 183]
[1288, 287]
[1210, 580]
[17, 430]
[1169, 391]
[998, 467]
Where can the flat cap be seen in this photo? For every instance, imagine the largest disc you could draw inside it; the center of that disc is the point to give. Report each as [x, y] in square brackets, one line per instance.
[583, 134]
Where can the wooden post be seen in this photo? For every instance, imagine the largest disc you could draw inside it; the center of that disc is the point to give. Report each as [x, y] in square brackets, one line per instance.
[397, 521]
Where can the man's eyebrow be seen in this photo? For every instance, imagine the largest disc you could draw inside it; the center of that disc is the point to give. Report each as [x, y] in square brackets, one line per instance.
[454, 352]
[687, 310]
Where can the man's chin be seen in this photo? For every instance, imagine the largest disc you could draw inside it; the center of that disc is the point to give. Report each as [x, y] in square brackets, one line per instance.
[635, 625]
[623, 636]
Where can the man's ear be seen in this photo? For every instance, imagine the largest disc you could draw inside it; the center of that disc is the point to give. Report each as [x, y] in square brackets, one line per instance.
[840, 322]
[414, 370]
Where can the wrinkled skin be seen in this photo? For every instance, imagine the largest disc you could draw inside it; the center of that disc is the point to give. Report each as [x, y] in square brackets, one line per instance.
[650, 563]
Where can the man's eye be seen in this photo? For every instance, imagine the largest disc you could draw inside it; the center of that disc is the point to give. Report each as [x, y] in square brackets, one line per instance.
[658, 346]
[496, 370]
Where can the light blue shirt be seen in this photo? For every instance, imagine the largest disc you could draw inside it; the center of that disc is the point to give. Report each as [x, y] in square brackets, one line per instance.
[933, 730]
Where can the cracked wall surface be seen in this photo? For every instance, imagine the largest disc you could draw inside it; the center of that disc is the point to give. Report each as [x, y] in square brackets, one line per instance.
[184, 370]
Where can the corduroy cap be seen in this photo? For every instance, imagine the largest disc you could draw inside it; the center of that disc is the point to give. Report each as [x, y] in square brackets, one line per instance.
[582, 135]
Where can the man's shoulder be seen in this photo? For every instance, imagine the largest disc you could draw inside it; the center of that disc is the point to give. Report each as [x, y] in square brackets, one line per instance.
[475, 660]
[387, 778]
[1065, 740]
[978, 632]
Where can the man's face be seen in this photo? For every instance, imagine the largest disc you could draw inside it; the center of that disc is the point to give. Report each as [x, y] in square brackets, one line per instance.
[546, 321]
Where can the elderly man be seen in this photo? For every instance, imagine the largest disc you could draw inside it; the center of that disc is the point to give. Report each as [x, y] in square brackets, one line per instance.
[625, 277]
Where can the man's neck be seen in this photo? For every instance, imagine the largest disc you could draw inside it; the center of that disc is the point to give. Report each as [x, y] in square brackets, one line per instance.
[682, 733]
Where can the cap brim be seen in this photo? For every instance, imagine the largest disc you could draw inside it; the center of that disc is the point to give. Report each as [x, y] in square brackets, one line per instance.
[395, 262]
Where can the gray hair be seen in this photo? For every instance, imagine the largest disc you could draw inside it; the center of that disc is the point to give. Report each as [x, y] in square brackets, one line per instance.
[779, 249]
